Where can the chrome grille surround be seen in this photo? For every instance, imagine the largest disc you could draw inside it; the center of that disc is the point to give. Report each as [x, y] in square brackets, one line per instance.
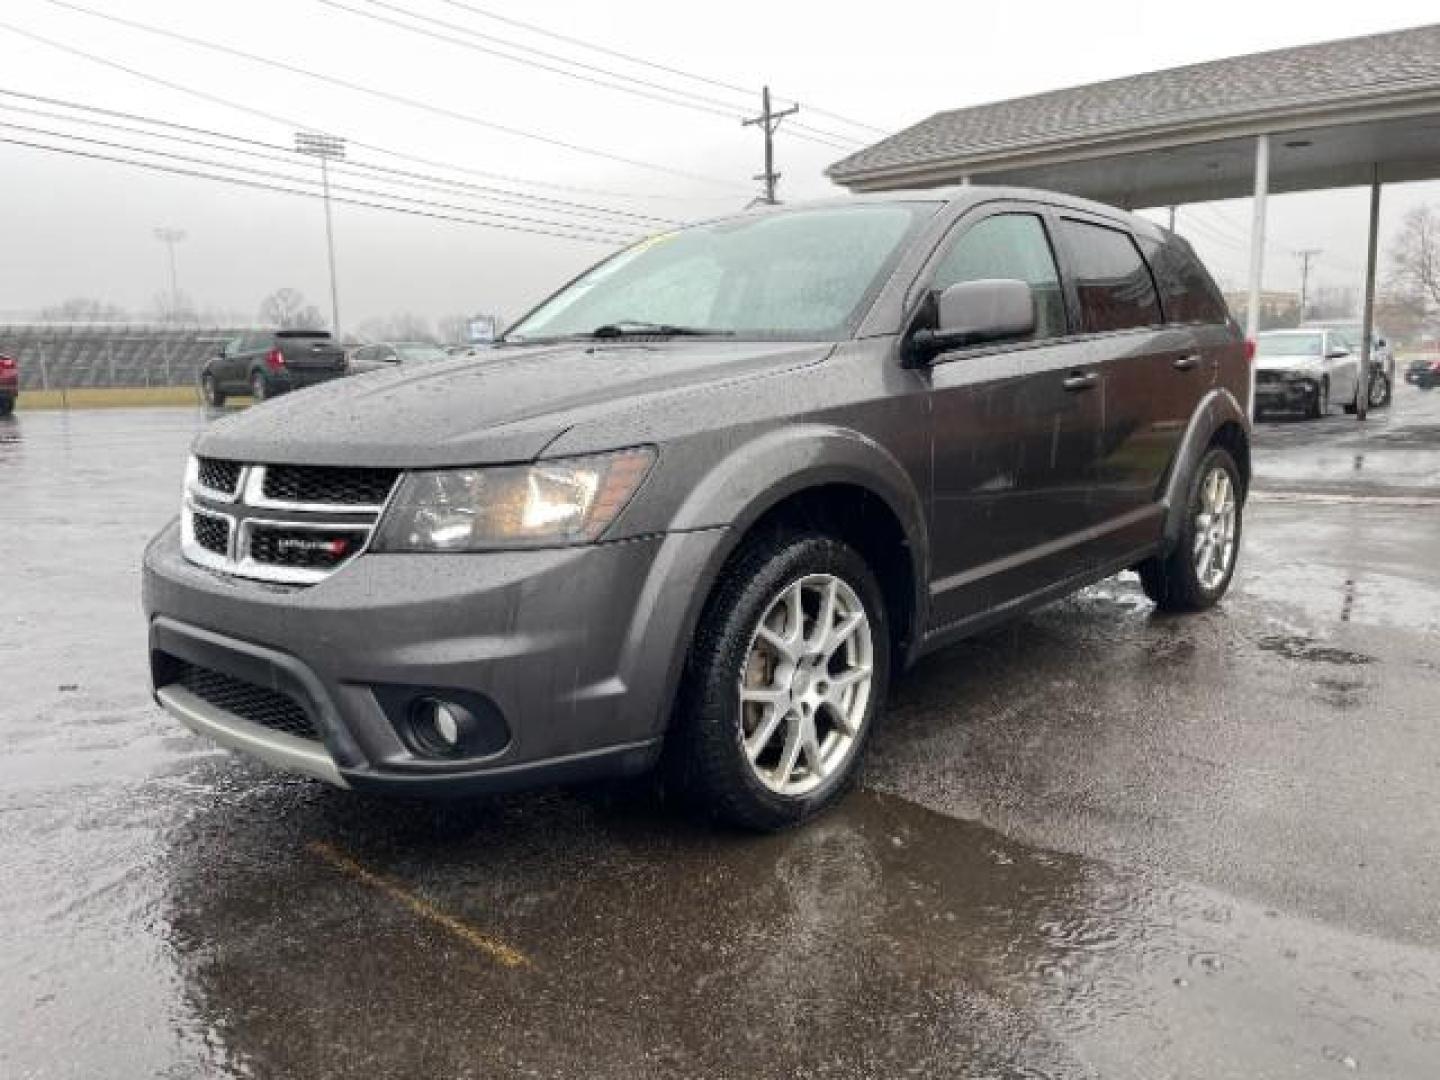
[248, 509]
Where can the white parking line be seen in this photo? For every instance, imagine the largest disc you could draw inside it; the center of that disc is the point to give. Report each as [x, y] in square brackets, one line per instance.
[1342, 499]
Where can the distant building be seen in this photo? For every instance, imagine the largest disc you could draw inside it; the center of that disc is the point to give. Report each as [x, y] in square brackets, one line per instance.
[1278, 309]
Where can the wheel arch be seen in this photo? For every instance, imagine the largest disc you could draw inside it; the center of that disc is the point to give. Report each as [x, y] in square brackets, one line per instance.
[1217, 420]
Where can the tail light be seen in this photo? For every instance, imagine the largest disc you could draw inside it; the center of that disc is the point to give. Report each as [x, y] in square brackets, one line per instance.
[1249, 349]
[275, 360]
[1434, 366]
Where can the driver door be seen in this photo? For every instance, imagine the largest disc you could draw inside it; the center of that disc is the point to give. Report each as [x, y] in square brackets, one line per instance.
[1016, 431]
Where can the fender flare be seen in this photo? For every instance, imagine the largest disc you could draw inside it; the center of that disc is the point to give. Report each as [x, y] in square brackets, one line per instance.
[1216, 408]
[757, 476]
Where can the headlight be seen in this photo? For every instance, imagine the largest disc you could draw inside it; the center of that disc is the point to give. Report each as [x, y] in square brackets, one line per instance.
[568, 501]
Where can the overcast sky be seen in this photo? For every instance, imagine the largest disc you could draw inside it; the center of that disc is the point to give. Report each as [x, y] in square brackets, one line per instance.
[77, 227]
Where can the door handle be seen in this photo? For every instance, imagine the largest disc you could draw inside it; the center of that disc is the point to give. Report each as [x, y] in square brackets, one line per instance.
[1080, 380]
[1187, 363]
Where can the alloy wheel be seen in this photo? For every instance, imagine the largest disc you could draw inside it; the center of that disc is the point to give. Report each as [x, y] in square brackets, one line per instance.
[1215, 520]
[805, 687]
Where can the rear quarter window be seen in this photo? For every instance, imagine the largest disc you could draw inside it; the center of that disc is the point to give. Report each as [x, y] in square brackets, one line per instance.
[1111, 279]
[1187, 291]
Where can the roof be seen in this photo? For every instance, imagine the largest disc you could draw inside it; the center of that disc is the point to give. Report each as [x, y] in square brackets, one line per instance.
[1329, 78]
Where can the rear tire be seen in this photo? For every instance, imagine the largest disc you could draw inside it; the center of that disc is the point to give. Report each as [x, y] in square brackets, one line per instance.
[7, 406]
[779, 699]
[213, 395]
[258, 390]
[1197, 573]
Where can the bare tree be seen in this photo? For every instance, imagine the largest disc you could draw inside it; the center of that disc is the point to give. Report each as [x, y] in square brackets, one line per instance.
[287, 310]
[1415, 255]
[84, 309]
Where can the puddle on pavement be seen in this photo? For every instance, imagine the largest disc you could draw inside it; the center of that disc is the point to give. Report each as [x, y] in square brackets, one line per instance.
[1294, 647]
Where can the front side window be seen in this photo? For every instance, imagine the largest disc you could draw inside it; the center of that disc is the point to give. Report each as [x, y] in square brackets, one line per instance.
[1009, 246]
[793, 274]
[1112, 280]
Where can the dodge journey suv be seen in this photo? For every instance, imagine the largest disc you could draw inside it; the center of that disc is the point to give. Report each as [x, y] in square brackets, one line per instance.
[702, 503]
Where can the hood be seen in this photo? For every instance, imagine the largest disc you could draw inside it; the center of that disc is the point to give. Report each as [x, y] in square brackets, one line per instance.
[1299, 365]
[506, 406]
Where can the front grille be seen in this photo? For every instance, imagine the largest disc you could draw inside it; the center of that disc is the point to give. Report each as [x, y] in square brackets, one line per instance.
[255, 704]
[212, 533]
[328, 485]
[310, 549]
[218, 475]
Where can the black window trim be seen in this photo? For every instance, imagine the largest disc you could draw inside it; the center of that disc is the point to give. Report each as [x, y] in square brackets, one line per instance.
[920, 289]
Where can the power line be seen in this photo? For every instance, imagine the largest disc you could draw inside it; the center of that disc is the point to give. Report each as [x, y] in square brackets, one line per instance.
[501, 221]
[290, 123]
[385, 95]
[698, 103]
[285, 156]
[270, 174]
[654, 65]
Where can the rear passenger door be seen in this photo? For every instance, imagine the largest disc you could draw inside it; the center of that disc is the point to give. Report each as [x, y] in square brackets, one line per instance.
[1151, 375]
[1016, 429]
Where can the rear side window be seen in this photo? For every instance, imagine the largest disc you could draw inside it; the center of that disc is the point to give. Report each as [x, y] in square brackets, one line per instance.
[1187, 291]
[1009, 246]
[1112, 280]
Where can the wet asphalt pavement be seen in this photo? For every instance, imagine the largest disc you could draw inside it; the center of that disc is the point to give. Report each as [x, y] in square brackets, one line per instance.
[1095, 843]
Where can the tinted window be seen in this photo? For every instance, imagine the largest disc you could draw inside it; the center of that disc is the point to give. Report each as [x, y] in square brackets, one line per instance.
[1290, 344]
[1114, 285]
[1009, 246]
[1186, 290]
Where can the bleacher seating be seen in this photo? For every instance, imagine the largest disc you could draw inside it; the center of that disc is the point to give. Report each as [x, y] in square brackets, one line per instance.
[69, 355]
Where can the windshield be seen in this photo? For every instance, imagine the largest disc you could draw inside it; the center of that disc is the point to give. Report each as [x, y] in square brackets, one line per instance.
[413, 352]
[797, 274]
[1290, 344]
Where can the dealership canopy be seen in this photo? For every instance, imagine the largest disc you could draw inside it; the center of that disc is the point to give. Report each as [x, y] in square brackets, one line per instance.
[1341, 113]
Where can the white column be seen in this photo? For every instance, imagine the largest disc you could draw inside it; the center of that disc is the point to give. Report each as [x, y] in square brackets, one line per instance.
[1257, 249]
[1367, 330]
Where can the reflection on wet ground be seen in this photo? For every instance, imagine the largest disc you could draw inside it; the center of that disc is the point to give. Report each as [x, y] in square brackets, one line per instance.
[1096, 843]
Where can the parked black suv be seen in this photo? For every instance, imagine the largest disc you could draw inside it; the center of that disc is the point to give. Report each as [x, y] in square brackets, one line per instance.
[269, 362]
[703, 501]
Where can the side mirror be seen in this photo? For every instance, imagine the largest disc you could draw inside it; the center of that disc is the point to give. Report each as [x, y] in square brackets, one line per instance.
[972, 312]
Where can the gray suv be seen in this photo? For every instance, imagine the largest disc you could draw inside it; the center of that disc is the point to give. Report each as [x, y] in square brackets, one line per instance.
[705, 500]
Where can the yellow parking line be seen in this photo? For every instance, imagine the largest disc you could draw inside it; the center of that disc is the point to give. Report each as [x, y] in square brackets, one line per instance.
[497, 950]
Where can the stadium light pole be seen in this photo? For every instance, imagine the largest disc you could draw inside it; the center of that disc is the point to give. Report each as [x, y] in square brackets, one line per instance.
[170, 237]
[325, 147]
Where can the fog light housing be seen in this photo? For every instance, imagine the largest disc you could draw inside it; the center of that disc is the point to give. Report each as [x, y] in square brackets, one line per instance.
[439, 724]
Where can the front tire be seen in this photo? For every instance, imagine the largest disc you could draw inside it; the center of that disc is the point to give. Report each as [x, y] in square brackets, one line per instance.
[783, 684]
[1320, 403]
[1197, 573]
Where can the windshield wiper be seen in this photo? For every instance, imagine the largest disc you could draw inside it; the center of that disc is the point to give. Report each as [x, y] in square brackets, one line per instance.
[629, 327]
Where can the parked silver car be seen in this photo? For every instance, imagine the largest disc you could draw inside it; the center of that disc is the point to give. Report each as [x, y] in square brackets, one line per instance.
[1382, 355]
[1306, 371]
[387, 354]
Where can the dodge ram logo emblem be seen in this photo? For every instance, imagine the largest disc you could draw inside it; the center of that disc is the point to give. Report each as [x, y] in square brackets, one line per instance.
[334, 548]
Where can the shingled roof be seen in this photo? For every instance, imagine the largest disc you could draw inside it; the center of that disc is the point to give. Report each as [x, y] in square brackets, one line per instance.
[1211, 95]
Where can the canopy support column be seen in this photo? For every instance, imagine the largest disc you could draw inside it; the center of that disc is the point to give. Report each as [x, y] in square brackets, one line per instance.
[1367, 317]
[1257, 250]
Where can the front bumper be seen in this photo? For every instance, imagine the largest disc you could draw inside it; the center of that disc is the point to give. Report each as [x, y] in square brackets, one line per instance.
[577, 650]
[1286, 395]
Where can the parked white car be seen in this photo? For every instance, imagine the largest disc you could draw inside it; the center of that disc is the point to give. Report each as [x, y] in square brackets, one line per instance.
[1382, 355]
[1306, 371]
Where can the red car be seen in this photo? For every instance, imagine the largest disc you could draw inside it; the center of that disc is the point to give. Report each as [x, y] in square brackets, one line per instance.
[9, 384]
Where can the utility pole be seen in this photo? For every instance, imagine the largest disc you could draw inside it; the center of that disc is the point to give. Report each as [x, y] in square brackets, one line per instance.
[325, 147]
[170, 237]
[768, 121]
[1305, 256]
[1172, 218]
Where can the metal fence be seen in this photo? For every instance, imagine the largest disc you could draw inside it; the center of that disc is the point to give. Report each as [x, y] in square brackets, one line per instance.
[69, 356]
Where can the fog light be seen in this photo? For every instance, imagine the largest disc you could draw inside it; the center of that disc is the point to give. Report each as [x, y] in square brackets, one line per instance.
[440, 727]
